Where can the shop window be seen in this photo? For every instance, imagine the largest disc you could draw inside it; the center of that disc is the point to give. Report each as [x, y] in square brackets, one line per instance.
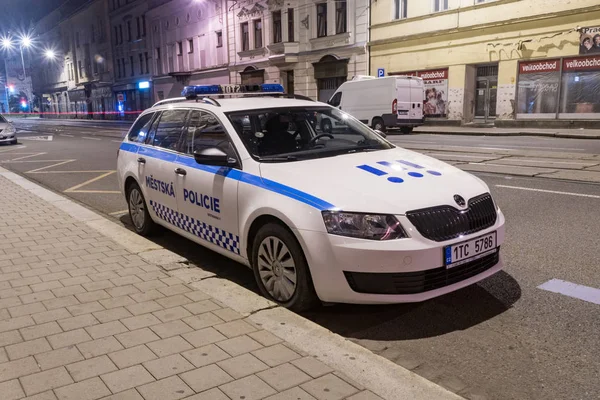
[538, 89]
[580, 87]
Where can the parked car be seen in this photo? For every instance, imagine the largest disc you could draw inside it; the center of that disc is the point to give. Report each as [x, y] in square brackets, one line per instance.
[8, 133]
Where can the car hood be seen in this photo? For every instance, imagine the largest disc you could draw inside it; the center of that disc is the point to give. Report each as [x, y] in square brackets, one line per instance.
[390, 181]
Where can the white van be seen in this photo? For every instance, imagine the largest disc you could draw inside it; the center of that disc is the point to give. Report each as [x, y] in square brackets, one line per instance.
[381, 103]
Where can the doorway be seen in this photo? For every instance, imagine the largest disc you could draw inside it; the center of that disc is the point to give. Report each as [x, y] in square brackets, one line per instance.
[486, 92]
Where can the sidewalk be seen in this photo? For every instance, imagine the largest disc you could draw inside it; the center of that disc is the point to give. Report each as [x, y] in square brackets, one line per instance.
[492, 131]
[85, 317]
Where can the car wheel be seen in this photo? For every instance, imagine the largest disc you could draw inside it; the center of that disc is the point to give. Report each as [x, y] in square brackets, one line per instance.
[326, 126]
[378, 124]
[138, 211]
[281, 270]
[406, 130]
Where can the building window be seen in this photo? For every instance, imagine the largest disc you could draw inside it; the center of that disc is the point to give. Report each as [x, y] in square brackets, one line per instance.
[400, 9]
[341, 21]
[245, 37]
[258, 34]
[322, 20]
[120, 34]
[95, 66]
[141, 59]
[93, 34]
[139, 28]
[290, 24]
[143, 25]
[80, 69]
[277, 27]
[179, 48]
[116, 41]
[131, 65]
[158, 62]
[219, 39]
[147, 57]
[123, 66]
[77, 39]
[440, 5]
[190, 46]
[129, 37]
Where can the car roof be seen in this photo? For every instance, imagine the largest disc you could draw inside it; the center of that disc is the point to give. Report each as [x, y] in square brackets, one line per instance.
[241, 103]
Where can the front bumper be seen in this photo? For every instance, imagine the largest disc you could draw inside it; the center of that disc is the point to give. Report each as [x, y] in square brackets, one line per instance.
[11, 138]
[348, 270]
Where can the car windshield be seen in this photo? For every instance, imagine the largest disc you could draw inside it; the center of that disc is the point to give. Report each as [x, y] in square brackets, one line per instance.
[295, 133]
[2, 119]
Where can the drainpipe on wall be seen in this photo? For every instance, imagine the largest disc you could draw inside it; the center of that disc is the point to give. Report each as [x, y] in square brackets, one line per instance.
[367, 48]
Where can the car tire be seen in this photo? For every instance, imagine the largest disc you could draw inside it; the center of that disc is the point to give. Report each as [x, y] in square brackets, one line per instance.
[378, 124]
[14, 142]
[326, 126]
[138, 211]
[274, 275]
[406, 130]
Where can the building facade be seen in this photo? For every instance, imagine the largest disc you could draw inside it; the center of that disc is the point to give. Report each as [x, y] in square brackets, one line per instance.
[510, 62]
[187, 44]
[132, 57]
[76, 82]
[310, 47]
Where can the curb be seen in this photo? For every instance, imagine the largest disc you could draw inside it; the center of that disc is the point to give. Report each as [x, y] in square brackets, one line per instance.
[381, 376]
[559, 135]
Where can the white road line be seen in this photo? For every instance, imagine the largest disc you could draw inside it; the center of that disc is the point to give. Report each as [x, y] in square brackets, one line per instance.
[553, 162]
[530, 147]
[585, 293]
[591, 196]
[90, 138]
[117, 141]
[488, 146]
[64, 134]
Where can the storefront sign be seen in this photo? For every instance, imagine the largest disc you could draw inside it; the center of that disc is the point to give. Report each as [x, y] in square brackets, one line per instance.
[120, 97]
[581, 63]
[589, 41]
[436, 90]
[76, 95]
[539, 66]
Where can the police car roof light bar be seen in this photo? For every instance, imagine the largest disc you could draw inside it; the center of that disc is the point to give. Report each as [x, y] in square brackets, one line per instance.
[192, 92]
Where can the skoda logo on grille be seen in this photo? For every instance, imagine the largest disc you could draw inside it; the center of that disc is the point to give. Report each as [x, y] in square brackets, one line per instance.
[460, 200]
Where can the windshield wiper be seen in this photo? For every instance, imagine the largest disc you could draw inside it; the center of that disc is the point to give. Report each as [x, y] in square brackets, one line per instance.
[277, 158]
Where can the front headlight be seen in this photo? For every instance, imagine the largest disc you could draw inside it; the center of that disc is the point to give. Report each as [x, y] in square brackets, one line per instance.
[363, 226]
[9, 129]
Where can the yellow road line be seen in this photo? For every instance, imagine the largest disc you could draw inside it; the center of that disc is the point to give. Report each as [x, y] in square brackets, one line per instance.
[70, 172]
[96, 191]
[29, 156]
[74, 188]
[122, 212]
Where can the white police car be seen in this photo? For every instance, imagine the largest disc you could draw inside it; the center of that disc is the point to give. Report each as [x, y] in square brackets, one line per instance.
[341, 216]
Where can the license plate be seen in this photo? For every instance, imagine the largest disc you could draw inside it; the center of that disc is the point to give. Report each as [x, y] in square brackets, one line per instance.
[461, 253]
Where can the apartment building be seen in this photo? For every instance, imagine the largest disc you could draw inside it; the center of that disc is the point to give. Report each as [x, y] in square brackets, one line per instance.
[507, 62]
[132, 56]
[188, 44]
[76, 80]
[310, 47]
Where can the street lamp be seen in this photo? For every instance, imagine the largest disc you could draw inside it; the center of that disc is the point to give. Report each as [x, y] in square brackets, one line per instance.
[50, 54]
[25, 41]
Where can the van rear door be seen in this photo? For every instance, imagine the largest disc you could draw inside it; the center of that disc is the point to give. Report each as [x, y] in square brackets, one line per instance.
[403, 99]
[417, 95]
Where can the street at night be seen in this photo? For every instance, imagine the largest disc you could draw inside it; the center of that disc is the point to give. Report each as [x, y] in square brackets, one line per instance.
[503, 338]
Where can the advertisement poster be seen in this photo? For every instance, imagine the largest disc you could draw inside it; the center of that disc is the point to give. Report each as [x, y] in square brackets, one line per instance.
[436, 91]
[538, 87]
[589, 41]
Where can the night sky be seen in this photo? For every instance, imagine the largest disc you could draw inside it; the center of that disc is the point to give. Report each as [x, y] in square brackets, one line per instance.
[21, 13]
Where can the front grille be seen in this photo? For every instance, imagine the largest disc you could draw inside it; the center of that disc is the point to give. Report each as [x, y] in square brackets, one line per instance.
[420, 281]
[446, 222]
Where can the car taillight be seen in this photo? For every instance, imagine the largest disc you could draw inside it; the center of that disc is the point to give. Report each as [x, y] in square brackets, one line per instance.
[395, 106]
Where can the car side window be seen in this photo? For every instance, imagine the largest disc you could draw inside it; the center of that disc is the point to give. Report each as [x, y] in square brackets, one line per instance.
[139, 130]
[205, 131]
[167, 133]
[336, 100]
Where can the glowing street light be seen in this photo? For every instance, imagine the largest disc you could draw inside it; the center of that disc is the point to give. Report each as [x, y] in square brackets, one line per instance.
[25, 41]
[50, 54]
[7, 43]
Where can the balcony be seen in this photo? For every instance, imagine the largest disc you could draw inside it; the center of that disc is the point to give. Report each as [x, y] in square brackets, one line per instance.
[284, 53]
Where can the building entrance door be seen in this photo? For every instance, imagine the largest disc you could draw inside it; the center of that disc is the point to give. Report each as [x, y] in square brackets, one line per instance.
[486, 91]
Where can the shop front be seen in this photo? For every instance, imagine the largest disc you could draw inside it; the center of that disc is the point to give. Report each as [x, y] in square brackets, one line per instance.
[436, 91]
[559, 88]
[131, 99]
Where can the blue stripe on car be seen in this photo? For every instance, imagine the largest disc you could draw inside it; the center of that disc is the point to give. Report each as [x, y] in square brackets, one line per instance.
[230, 173]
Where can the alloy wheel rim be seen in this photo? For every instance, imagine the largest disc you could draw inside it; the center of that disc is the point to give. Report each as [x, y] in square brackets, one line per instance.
[136, 208]
[277, 269]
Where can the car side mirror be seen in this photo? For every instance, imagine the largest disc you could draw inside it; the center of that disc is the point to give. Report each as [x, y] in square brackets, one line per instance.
[213, 156]
[10, 121]
[383, 135]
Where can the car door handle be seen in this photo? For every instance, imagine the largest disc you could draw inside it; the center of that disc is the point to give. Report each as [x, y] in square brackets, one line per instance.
[141, 160]
[181, 171]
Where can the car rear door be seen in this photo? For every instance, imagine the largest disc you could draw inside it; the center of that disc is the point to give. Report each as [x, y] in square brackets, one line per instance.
[156, 163]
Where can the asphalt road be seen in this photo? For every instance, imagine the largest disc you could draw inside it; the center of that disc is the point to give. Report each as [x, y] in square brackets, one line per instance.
[504, 338]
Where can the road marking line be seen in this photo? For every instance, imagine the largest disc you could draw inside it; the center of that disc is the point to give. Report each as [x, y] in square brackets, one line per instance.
[532, 147]
[96, 191]
[64, 134]
[13, 149]
[37, 170]
[74, 188]
[90, 138]
[118, 213]
[28, 156]
[70, 172]
[585, 293]
[117, 141]
[592, 196]
[553, 162]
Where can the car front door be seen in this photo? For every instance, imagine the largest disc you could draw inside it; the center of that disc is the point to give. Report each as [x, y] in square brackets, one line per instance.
[156, 163]
[206, 198]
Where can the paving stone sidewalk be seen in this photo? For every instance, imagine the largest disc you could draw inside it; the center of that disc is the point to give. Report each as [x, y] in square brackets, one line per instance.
[81, 318]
